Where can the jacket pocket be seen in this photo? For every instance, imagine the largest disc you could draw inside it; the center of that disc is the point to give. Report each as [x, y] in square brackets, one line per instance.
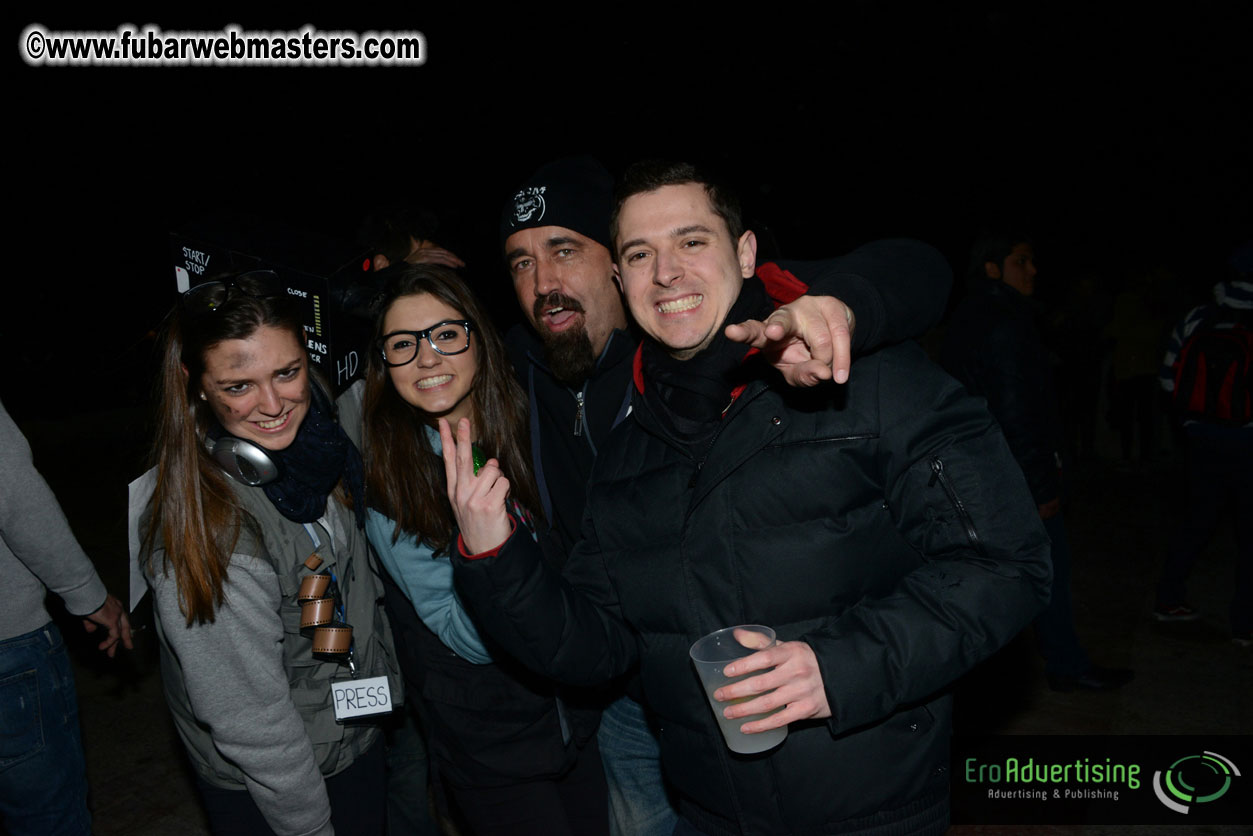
[968, 524]
[826, 439]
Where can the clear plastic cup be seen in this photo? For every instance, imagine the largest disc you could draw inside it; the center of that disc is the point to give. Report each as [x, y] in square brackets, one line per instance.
[714, 652]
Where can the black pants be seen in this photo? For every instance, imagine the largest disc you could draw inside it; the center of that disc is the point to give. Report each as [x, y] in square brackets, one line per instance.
[1219, 480]
[573, 805]
[356, 794]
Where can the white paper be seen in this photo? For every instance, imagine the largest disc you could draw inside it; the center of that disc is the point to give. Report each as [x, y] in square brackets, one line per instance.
[140, 492]
[361, 697]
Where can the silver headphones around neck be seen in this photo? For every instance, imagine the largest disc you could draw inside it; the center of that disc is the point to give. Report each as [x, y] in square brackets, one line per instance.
[244, 461]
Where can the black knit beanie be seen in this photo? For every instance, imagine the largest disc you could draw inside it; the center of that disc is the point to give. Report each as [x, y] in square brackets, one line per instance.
[574, 192]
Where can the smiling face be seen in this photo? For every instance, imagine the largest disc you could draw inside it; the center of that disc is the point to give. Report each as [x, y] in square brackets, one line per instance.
[564, 283]
[679, 267]
[437, 384]
[258, 387]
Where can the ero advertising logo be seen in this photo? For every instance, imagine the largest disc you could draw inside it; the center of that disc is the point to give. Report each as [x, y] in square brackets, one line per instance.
[1102, 779]
[1194, 779]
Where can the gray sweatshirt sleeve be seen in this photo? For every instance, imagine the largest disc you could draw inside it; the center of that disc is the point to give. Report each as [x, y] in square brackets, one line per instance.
[234, 675]
[35, 532]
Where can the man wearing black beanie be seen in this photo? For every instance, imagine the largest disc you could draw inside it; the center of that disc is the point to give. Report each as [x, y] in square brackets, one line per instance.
[575, 362]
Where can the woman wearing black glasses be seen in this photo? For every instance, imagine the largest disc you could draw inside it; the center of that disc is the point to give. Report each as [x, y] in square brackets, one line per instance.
[504, 745]
[275, 653]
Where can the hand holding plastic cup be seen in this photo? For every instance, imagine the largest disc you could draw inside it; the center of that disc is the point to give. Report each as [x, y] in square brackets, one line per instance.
[713, 653]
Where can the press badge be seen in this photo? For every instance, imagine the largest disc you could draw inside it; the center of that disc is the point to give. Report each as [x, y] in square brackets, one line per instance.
[355, 698]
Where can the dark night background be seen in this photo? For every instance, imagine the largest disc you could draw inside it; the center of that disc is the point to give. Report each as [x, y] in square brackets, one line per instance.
[1121, 139]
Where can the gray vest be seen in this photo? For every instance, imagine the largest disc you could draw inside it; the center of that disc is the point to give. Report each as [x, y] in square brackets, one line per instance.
[286, 545]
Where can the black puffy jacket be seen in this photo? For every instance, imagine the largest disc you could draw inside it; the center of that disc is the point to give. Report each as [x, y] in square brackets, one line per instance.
[895, 286]
[883, 522]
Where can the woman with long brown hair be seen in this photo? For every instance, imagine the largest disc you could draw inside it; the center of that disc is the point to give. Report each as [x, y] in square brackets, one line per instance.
[264, 597]
[504, 745]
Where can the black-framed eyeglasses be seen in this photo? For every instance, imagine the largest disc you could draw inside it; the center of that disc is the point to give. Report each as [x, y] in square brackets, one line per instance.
[209, 296]
[452, 336]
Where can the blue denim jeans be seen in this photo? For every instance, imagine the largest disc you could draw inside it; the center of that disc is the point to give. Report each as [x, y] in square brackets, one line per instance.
[43, 778]
[638, 803]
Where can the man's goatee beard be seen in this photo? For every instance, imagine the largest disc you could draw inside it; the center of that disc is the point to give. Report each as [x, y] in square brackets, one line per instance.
[569, 356]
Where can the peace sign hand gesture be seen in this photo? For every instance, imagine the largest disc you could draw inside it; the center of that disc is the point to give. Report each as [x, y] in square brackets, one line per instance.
[478, 501]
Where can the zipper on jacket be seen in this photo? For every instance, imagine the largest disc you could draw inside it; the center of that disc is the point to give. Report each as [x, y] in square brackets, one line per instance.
[700, 462]
[937, 474]
[578, 414]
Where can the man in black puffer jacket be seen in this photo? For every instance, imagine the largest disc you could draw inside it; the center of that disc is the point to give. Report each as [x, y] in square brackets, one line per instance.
[881, 528]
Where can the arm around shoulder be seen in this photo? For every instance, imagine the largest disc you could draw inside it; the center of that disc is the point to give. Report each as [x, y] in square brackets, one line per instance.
[896, 287]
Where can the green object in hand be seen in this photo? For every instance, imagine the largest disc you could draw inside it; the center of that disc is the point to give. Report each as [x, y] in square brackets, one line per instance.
[479, 458]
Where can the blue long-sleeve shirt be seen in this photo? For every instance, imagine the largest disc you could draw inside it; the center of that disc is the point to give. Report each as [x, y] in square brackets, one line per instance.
[426, 579]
